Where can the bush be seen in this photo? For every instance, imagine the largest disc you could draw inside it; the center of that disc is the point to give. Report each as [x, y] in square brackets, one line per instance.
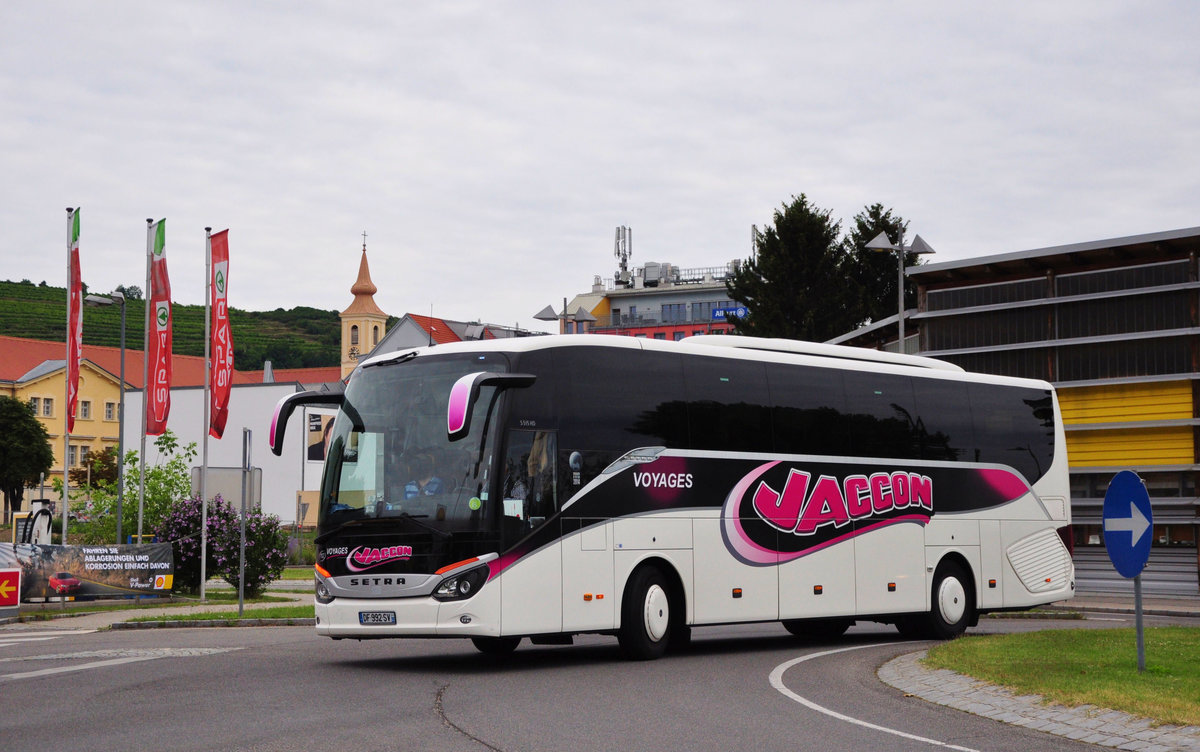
[266, 545]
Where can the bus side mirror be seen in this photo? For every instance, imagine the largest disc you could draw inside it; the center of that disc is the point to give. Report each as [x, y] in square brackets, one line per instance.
[465, 393]
[286, 406]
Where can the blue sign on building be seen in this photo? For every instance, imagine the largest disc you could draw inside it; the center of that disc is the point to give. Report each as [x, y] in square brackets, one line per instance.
[723, 314]
[1128, 523]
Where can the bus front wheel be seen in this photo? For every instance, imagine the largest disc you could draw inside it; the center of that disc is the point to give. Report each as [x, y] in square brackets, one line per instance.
[645, 616]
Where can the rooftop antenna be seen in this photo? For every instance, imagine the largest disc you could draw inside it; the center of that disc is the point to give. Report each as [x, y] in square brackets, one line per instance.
[623, 249]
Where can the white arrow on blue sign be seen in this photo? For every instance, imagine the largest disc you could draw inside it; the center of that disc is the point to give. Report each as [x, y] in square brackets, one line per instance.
[1128, 521]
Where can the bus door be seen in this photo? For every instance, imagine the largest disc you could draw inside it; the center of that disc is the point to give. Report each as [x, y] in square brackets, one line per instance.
[532, 600]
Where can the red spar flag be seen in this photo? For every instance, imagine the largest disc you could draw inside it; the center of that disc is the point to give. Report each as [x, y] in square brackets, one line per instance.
[221, 378]
[74, 318]
[158, 390]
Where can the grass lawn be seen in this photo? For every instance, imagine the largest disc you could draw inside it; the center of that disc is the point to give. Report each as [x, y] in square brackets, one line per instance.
[274, 612]
[297, 573]
[1089, 666]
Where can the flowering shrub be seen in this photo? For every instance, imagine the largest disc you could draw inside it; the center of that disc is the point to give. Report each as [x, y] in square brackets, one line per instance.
[266, 545]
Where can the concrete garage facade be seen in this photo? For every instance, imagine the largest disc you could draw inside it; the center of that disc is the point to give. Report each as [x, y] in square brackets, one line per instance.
[1115, 326]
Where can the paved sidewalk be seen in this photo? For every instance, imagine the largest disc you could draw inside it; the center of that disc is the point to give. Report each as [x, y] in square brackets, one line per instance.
[1086, 723]
[106, 619]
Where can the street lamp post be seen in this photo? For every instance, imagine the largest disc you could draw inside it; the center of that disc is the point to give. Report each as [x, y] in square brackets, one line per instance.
[112, 297]
[883, 243]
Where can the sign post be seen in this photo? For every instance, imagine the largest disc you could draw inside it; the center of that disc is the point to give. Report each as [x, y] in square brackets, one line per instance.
[10, 592]
[1128, 532]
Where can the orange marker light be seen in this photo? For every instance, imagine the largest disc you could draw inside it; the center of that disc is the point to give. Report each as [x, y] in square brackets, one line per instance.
[737, 592]
[456, 565]
[322, 570]
[891, 587]
[991, 583]
[818, 589]
[587, 596]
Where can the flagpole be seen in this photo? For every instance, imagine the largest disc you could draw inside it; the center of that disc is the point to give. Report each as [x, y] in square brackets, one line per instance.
[207, 379]
[145, 378]
[67, 383]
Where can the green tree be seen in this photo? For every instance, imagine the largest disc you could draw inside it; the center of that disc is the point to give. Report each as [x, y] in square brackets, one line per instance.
[168, 482]
[798, 284]
[875, 273]
[101, 469]
[25, 452]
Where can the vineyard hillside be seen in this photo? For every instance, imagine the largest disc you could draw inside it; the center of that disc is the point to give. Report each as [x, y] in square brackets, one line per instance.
[299, 337]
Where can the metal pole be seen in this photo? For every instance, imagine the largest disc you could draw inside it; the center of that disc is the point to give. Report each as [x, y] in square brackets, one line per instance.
[145, 384]
[207, 369]
[121, 429]
[246, 437]
[900, 296]
[1141, 637]
[67, 386]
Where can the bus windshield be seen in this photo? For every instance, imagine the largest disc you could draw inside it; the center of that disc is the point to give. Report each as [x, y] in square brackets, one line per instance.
[389, 455]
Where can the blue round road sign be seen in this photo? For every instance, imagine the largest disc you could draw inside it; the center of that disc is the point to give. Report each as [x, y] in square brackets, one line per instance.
[1128, 523]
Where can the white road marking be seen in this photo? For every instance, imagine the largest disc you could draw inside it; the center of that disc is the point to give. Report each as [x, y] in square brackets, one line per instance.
[8, 639]
[777, 683]
[109, 658]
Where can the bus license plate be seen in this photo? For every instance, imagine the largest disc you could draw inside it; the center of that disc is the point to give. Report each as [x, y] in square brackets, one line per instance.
[376, 617]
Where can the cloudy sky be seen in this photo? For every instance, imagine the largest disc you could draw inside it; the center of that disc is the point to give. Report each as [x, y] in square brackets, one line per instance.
[490, 149]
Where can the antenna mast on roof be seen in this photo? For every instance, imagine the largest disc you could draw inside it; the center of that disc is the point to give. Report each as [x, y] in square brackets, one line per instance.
[623, 249]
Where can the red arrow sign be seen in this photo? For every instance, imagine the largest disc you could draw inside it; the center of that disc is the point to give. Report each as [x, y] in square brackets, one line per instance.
[10, 588]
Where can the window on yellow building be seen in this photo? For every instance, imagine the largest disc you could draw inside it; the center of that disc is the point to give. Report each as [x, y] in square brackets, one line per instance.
[110, 411]
[72, 452]
[354, 334]
[48, 407]
[36, 404]
[85, 409]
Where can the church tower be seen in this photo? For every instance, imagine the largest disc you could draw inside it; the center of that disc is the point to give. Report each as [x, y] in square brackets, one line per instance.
[363, 324]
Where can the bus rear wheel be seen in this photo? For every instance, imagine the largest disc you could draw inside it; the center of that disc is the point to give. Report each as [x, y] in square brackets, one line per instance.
[496, 646]
[646, 616]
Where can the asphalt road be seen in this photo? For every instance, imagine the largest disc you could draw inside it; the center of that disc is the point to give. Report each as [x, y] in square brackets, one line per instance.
[286, 689]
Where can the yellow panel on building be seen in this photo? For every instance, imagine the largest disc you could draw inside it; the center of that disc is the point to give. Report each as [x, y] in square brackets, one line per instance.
[1131, 446]
[1117, 403]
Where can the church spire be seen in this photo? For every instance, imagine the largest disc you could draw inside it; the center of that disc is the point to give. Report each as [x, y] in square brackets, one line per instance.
[363, 288]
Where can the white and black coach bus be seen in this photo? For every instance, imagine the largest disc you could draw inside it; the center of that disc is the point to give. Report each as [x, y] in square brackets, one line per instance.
[544, 487]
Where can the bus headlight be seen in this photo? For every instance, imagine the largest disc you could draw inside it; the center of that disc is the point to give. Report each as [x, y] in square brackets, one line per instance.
[461, 586]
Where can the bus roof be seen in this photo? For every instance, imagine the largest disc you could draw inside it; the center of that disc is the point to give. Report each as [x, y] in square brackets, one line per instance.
[780, 350]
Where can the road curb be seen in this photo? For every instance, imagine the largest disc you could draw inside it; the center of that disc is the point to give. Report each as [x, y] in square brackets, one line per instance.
[203, 623]
[1086, 723]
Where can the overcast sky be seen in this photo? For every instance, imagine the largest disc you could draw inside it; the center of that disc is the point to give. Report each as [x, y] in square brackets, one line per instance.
[490, 149]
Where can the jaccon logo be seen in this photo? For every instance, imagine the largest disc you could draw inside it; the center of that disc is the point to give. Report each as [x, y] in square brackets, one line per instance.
[363, 558]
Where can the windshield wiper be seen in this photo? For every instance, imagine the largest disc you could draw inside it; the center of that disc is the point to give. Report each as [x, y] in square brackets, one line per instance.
[416, 521]
[330, 533]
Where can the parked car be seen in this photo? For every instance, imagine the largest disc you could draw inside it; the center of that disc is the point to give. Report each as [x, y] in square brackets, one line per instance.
[64, 583]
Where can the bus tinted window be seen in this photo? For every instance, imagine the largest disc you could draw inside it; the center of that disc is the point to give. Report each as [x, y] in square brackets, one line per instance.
[618, 401]
[1014, 427]
[808, 413]
[725, 404]
[945, 429]
[882, 416]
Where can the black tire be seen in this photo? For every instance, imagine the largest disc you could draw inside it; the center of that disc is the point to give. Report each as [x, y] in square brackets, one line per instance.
[496, 646]
[951, 606]
[646, 616]
[818, 629]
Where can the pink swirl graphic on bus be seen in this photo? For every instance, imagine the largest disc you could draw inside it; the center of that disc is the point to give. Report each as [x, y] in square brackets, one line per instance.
[777, 513]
